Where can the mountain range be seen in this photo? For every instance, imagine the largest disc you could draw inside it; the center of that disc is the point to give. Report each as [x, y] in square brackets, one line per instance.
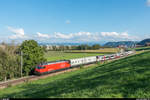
[107, 44]
[143, 42]
[125, 43]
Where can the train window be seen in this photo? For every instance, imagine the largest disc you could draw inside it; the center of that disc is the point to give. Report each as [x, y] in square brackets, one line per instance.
[38, 67]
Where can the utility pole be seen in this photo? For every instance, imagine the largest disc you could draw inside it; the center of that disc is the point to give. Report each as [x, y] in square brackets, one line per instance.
[21, 63]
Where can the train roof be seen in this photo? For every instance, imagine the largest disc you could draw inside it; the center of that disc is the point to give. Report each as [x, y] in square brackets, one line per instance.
[53, 62]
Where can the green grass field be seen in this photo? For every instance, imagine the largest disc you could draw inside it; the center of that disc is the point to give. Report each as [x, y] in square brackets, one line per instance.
[127, 77]
[140, 48]
[58, 55]
[102, 50]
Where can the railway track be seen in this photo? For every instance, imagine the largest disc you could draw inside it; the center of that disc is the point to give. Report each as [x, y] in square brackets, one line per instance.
[30, 78]
[34, 77]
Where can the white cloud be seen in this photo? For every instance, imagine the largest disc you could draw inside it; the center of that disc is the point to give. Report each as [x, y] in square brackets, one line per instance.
[124, 35]
[118, 36]
[18, 33]
[93, 37]
[71, 35]
[74, 37]
[40, 35]
[62, 36]
[148, 3]
[81, 36]
[68, 22]
[111, 34]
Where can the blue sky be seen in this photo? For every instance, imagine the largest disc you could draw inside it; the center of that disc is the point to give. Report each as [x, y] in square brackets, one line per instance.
[74, 20]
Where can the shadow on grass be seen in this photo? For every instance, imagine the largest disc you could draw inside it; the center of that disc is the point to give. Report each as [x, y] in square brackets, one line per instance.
[126, 76]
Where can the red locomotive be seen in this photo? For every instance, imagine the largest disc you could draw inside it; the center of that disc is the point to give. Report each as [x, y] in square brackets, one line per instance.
[52, 66]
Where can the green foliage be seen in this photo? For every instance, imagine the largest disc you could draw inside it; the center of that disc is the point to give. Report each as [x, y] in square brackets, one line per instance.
[33, 54]
[87, 47]
[44, 49]
[9, 62]
[95, 46]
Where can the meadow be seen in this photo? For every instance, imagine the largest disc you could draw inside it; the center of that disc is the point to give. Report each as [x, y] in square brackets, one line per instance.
[140, 48]
[101, 50]
[125, 78]
[58, 55]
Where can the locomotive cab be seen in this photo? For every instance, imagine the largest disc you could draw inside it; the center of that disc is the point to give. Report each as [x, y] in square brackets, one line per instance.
[38, 69]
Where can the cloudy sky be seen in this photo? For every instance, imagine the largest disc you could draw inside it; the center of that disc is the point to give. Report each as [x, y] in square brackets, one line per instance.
[74, 20]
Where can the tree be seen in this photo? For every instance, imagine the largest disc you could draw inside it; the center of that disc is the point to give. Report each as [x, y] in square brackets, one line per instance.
[44, 48]
[96, 46]
[33, 55]
[3, 64]
[83, 47]
[61, 47]
[73, 47]
[9, 62]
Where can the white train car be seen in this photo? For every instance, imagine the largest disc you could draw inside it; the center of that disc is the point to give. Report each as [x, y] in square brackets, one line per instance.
[90, 59]
[80, 61]
[76, 62]
[118, 55]
[130, 52]
[112, 56]
[101, 58]
[87, 60]
[126, 53]
[107, 57]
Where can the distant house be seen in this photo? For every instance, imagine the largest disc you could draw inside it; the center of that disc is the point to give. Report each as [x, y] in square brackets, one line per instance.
[122, 46]
[147, 44]
[49, 47]
[139, 45]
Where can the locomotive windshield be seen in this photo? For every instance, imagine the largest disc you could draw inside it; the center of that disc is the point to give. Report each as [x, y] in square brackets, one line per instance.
[39, 67]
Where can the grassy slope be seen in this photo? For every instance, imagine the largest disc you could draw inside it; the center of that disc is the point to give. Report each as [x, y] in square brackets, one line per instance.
[57, 55]
[128, 77]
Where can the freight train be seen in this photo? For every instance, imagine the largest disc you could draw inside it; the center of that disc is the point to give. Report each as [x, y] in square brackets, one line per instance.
[54, 66]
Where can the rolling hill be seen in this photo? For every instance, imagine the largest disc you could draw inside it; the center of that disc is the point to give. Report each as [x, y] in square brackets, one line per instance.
[143, 42]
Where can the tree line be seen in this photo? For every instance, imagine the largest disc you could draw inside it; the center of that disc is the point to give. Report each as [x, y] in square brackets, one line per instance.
[10, 59]
[73, 47]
